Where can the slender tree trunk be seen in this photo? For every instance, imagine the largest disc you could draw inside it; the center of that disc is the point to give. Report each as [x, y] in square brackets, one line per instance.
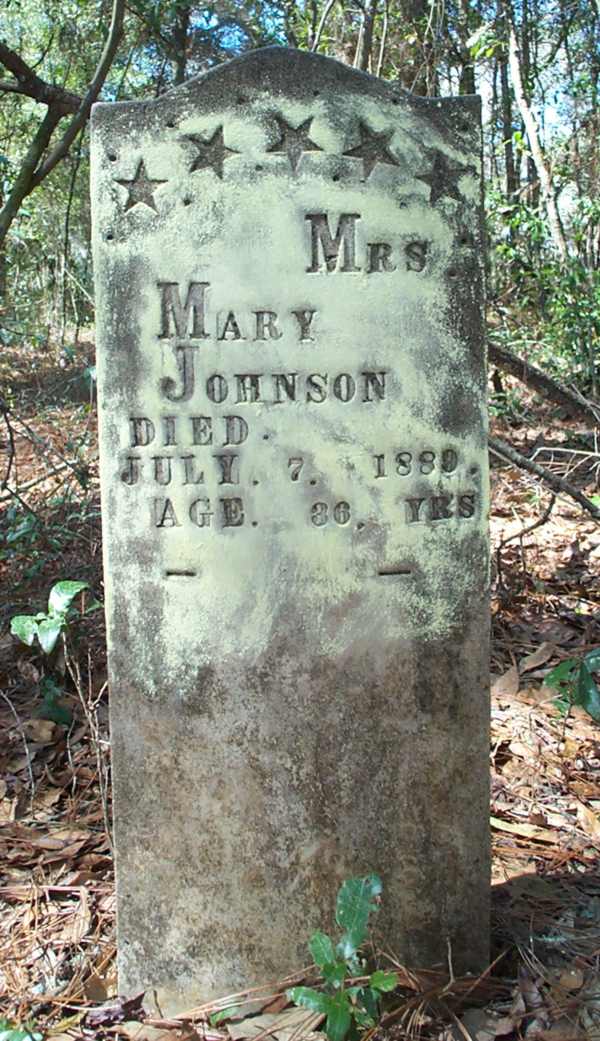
[180, 44]
[467, 66]
[35, 167]
[322, 22]
[511, 181]
[24, 181]
[365, 40]
[383, 41]
[541, 164]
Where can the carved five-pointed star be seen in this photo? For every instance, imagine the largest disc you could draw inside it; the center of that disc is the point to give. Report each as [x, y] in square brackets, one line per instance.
[373, 148]
[211, 153]
[443, 177]
[140, 189]
[294, 141]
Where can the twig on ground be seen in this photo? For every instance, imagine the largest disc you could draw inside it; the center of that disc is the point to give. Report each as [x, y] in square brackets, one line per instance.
[520, 535]
[12, 494]
[90, 710]
[557, 484]
[47, 445]
[24, 740]
[549, 388]
[36, 480]
[11, 443]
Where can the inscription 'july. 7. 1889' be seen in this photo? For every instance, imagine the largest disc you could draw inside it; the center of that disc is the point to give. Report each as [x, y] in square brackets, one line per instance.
[186, 320]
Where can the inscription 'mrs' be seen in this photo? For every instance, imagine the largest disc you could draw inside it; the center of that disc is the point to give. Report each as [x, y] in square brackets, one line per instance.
[339, 252]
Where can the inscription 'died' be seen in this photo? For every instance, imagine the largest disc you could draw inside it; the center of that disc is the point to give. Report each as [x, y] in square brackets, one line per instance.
[203, 453]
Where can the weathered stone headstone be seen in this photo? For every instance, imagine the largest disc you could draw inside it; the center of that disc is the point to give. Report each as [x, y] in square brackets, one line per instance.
[288, 262]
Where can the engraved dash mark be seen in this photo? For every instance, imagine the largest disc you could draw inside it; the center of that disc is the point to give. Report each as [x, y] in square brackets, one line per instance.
[180, 573]
[400, 569]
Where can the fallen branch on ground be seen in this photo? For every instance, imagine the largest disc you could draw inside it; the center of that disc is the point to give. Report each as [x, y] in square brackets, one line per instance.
[557, 484]
[544, 384]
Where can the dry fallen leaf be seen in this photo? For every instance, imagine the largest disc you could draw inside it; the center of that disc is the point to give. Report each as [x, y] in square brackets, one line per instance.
[539, 657]
[95, 989]
[571, 978]
[58, 839]
[79, 924]
[564, 1029]
[590, 822]
[294, 1023]
[28, 671]
[120, 1011]
[144, 1032]
[479, 1025]
[42, 731]
[507, 685]
[527, 831]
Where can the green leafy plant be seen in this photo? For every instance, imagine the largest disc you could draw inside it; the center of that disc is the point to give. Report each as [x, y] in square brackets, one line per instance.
[47, 626]
[51, 706]
[347, 1006]
[10, 1032]
[575, 683]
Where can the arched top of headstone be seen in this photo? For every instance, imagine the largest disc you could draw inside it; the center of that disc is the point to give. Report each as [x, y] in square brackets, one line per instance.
[312, 81]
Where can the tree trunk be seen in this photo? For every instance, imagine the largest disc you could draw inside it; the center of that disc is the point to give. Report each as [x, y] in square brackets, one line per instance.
[537, 152]
[23, 182]
[511, 183]
[467, 65]
[365, 40]
[180, 44]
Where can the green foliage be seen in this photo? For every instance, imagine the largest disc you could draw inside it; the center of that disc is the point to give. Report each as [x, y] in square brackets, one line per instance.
[507, 405]
[574, 681]
[10, 1032]
[221, 1016]
[39, 538]
[355, 903]
[558, 303]
[347, 1007]
[48, 626]
[51, 707]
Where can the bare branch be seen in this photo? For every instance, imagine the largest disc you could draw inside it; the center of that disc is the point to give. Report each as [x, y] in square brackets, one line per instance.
[32, 86]
[81, 116]
[324, 16]
[529, 374]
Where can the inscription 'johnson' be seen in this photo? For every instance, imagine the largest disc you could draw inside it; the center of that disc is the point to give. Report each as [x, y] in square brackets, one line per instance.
[249, 388]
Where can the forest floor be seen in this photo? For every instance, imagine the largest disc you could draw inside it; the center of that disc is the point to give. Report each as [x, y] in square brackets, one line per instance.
[57, 944]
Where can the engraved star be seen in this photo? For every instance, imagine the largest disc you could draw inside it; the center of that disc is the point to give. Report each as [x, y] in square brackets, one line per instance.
[211, 153]
[373, 148]
[443, 177]
[141, 188]
[294, 141]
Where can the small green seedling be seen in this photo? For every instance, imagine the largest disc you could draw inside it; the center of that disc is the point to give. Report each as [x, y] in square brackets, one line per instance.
[348, 1008]
[47, 627]
[575, 683]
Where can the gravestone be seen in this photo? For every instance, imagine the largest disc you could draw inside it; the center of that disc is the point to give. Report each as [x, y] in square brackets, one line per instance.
[289, 261]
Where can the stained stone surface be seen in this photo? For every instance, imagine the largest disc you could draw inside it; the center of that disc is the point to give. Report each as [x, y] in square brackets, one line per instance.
[288, 259]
